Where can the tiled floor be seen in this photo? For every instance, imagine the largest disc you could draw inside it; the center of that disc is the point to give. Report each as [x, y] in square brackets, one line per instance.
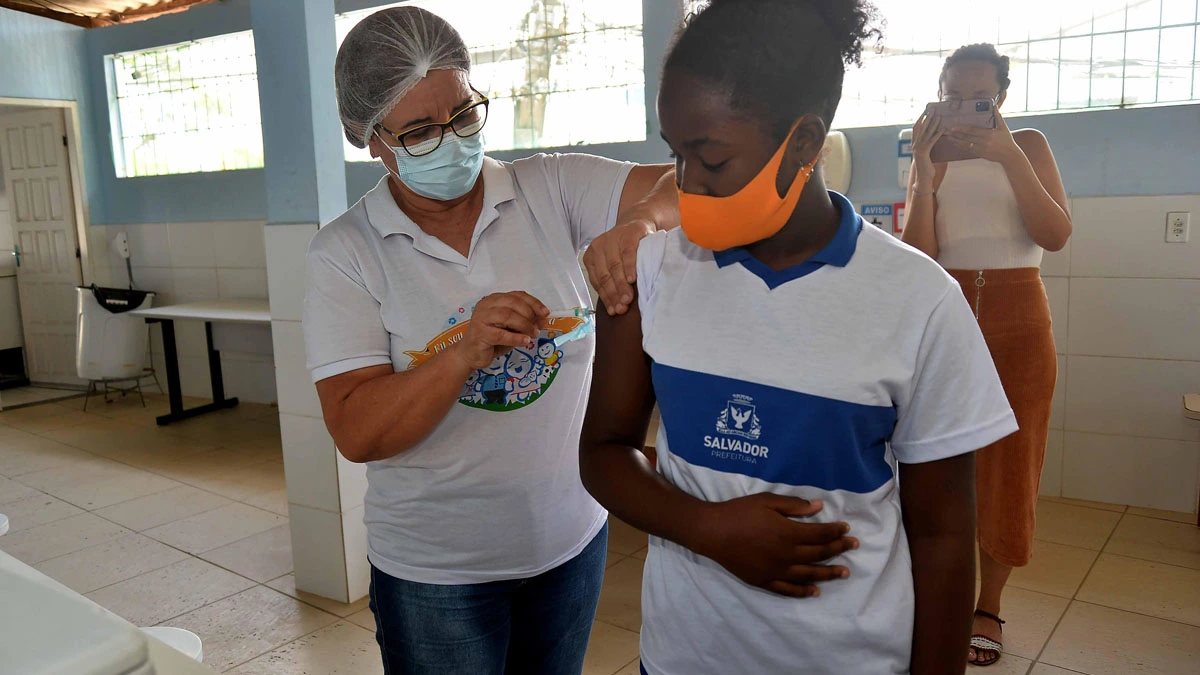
[187, 526]
[23, 396]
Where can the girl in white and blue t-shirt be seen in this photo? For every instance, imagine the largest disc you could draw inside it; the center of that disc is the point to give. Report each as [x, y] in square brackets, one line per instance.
[822, 385]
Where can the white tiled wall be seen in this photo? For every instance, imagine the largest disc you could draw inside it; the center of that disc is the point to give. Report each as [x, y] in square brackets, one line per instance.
[1126, 309]
[325, 491]
[318, 556]
[184, 262]
[310, 463]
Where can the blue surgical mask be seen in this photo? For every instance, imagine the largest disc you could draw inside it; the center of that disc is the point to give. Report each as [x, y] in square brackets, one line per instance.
[446, 173]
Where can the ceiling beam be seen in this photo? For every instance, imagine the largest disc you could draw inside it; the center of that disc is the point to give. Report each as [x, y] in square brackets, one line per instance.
[151, 11]
[39, 10]
[136, 14]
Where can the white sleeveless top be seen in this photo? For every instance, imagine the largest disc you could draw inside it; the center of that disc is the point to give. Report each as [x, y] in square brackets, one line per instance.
[978, 224]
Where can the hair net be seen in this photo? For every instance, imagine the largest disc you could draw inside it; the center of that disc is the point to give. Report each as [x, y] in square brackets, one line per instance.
[384, 57]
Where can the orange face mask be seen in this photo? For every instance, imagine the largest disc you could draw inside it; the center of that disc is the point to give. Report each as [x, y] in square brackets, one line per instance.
[754, 213]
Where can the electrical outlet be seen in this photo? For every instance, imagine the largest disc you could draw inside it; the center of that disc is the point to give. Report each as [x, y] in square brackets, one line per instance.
[1178, 223]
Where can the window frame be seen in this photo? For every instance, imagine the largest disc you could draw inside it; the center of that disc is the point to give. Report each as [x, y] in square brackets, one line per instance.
[245, 77]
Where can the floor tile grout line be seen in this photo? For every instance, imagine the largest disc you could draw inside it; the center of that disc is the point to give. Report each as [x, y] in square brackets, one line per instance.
[1095, 506]
[152, 471]
[1096, 560]
[337, 620]
[613, 625]
[147, 529]
[142, 534]
[219, 446]
[1069, 670]
[1137, 436]
[1192, 516]
[636, 660]
[226, 597]
[172, 618]
[1148, 560]
[1177, 622]
[620, 557]
[1075, 597]
[310, 604]
[48, 522]
[93, 510]
[175, 548]
[1050, 636]
[275, 649]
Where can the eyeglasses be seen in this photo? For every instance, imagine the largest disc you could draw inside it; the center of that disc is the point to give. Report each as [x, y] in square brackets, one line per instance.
[426, 138]
[947, 98]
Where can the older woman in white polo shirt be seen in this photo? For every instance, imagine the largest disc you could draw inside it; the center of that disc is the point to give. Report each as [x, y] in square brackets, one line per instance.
[440, 336]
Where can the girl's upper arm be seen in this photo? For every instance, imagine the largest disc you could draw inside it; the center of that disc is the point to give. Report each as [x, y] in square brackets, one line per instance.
[1035, 146]
[622, 396]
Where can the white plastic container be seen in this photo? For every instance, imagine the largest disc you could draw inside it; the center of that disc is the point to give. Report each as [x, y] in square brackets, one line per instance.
[184, 641]
[835, 162]
[110, 343]
[46, 629]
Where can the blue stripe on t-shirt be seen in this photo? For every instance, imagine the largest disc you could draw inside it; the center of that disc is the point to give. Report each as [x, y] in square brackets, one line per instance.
[773, 434]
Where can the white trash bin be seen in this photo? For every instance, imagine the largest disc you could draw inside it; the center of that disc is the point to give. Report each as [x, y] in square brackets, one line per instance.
[110, 343]
[181, 640]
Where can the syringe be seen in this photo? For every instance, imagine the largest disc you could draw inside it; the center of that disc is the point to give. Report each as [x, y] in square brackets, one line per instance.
[581, 312]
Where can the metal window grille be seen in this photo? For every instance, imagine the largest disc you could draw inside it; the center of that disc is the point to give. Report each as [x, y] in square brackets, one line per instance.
[558, 72]
[1065, 55]
[186, 108]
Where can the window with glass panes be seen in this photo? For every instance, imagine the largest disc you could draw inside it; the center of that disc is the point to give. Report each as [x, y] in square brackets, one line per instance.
[1065, 55]
[558, 72]
[186, 108]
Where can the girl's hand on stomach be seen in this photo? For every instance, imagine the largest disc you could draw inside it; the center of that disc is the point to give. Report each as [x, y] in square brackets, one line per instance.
[756, 539]
[500, 322]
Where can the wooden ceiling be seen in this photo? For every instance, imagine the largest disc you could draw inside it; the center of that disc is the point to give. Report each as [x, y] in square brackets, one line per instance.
[96, 13]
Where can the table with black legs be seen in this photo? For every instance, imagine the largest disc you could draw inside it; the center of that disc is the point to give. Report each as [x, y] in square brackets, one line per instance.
[256, 312]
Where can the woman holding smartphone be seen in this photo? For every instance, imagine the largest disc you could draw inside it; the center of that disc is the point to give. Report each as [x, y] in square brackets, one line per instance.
[987, 220]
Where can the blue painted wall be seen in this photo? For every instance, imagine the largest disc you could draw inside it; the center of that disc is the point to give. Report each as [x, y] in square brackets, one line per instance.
[1107, 152]
[295, 46]
[1141, 151]
[241, 195]
[198, 197]
[45, 59]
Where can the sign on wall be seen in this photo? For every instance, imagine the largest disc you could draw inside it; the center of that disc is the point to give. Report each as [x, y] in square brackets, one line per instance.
[879, 215]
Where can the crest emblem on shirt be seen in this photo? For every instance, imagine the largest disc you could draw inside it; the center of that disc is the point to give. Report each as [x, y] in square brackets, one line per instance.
[740, 418]
[512, 380]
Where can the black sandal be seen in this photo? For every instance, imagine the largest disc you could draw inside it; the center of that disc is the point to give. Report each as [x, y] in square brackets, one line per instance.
[987, 650]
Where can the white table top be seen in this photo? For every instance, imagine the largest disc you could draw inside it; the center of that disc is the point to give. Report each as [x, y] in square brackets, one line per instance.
[224, 311]
[73, 610]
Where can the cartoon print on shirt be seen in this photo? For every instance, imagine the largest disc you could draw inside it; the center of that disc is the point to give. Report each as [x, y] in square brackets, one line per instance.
[548, 352]
[512, 380]
[492, 381]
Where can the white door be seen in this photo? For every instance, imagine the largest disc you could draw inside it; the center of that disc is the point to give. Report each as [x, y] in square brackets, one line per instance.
[38, 180]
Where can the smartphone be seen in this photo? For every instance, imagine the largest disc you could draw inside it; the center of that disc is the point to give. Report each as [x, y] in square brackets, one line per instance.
[979, 113]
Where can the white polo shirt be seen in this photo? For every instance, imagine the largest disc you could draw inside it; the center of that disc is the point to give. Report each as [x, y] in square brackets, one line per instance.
[810, 382]
[494, 491]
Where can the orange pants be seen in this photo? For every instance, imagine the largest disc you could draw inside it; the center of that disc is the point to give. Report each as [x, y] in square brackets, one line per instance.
[1014, 316]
